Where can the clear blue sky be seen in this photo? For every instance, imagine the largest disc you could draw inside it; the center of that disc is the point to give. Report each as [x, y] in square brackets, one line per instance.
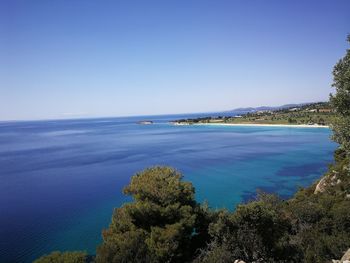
[89, 58]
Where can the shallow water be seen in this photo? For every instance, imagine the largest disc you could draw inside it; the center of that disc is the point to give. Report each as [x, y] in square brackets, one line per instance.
[59, 180]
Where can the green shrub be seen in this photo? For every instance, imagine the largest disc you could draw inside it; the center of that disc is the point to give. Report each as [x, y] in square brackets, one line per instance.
[65, 257]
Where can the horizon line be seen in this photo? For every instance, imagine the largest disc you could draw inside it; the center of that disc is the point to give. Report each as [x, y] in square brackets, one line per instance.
[150, 115]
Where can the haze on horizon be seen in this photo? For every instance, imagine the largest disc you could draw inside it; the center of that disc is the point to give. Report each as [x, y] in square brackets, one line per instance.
[65, 59]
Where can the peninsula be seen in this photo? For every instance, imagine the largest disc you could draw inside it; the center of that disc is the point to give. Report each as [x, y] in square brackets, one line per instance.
[317, 114]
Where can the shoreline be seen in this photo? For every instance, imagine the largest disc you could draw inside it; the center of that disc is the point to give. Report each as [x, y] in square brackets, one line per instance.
[255, 124]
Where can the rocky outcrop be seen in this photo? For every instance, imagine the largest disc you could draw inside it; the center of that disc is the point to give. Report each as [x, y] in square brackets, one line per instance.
[344, 259]
[145, 122]
[327, 181]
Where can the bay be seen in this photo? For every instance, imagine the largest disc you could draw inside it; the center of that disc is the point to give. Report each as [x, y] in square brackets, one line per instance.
[60, 180]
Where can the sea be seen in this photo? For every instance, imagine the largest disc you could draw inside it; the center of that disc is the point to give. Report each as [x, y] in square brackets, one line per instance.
[60, 180]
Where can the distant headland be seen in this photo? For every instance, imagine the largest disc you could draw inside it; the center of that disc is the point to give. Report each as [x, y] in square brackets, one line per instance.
[317, 114]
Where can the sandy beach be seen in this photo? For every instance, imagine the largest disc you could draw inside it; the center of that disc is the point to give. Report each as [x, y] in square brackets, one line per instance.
[259, 125]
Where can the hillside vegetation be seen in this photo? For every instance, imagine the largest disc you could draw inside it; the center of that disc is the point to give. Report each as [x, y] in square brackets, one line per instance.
[314, 113]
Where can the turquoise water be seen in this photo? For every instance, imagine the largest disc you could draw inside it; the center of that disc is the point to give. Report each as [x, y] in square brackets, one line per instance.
[60, 180]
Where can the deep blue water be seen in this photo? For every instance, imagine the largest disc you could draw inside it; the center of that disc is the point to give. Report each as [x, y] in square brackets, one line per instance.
[59, 180]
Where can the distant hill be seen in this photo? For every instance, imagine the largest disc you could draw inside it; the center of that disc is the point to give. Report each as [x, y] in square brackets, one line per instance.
[268, 108]
[317, 113]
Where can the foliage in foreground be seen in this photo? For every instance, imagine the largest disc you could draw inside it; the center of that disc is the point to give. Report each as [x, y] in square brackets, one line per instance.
[164, 223]
[66, 257]
[341, 101]
[158, 226]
